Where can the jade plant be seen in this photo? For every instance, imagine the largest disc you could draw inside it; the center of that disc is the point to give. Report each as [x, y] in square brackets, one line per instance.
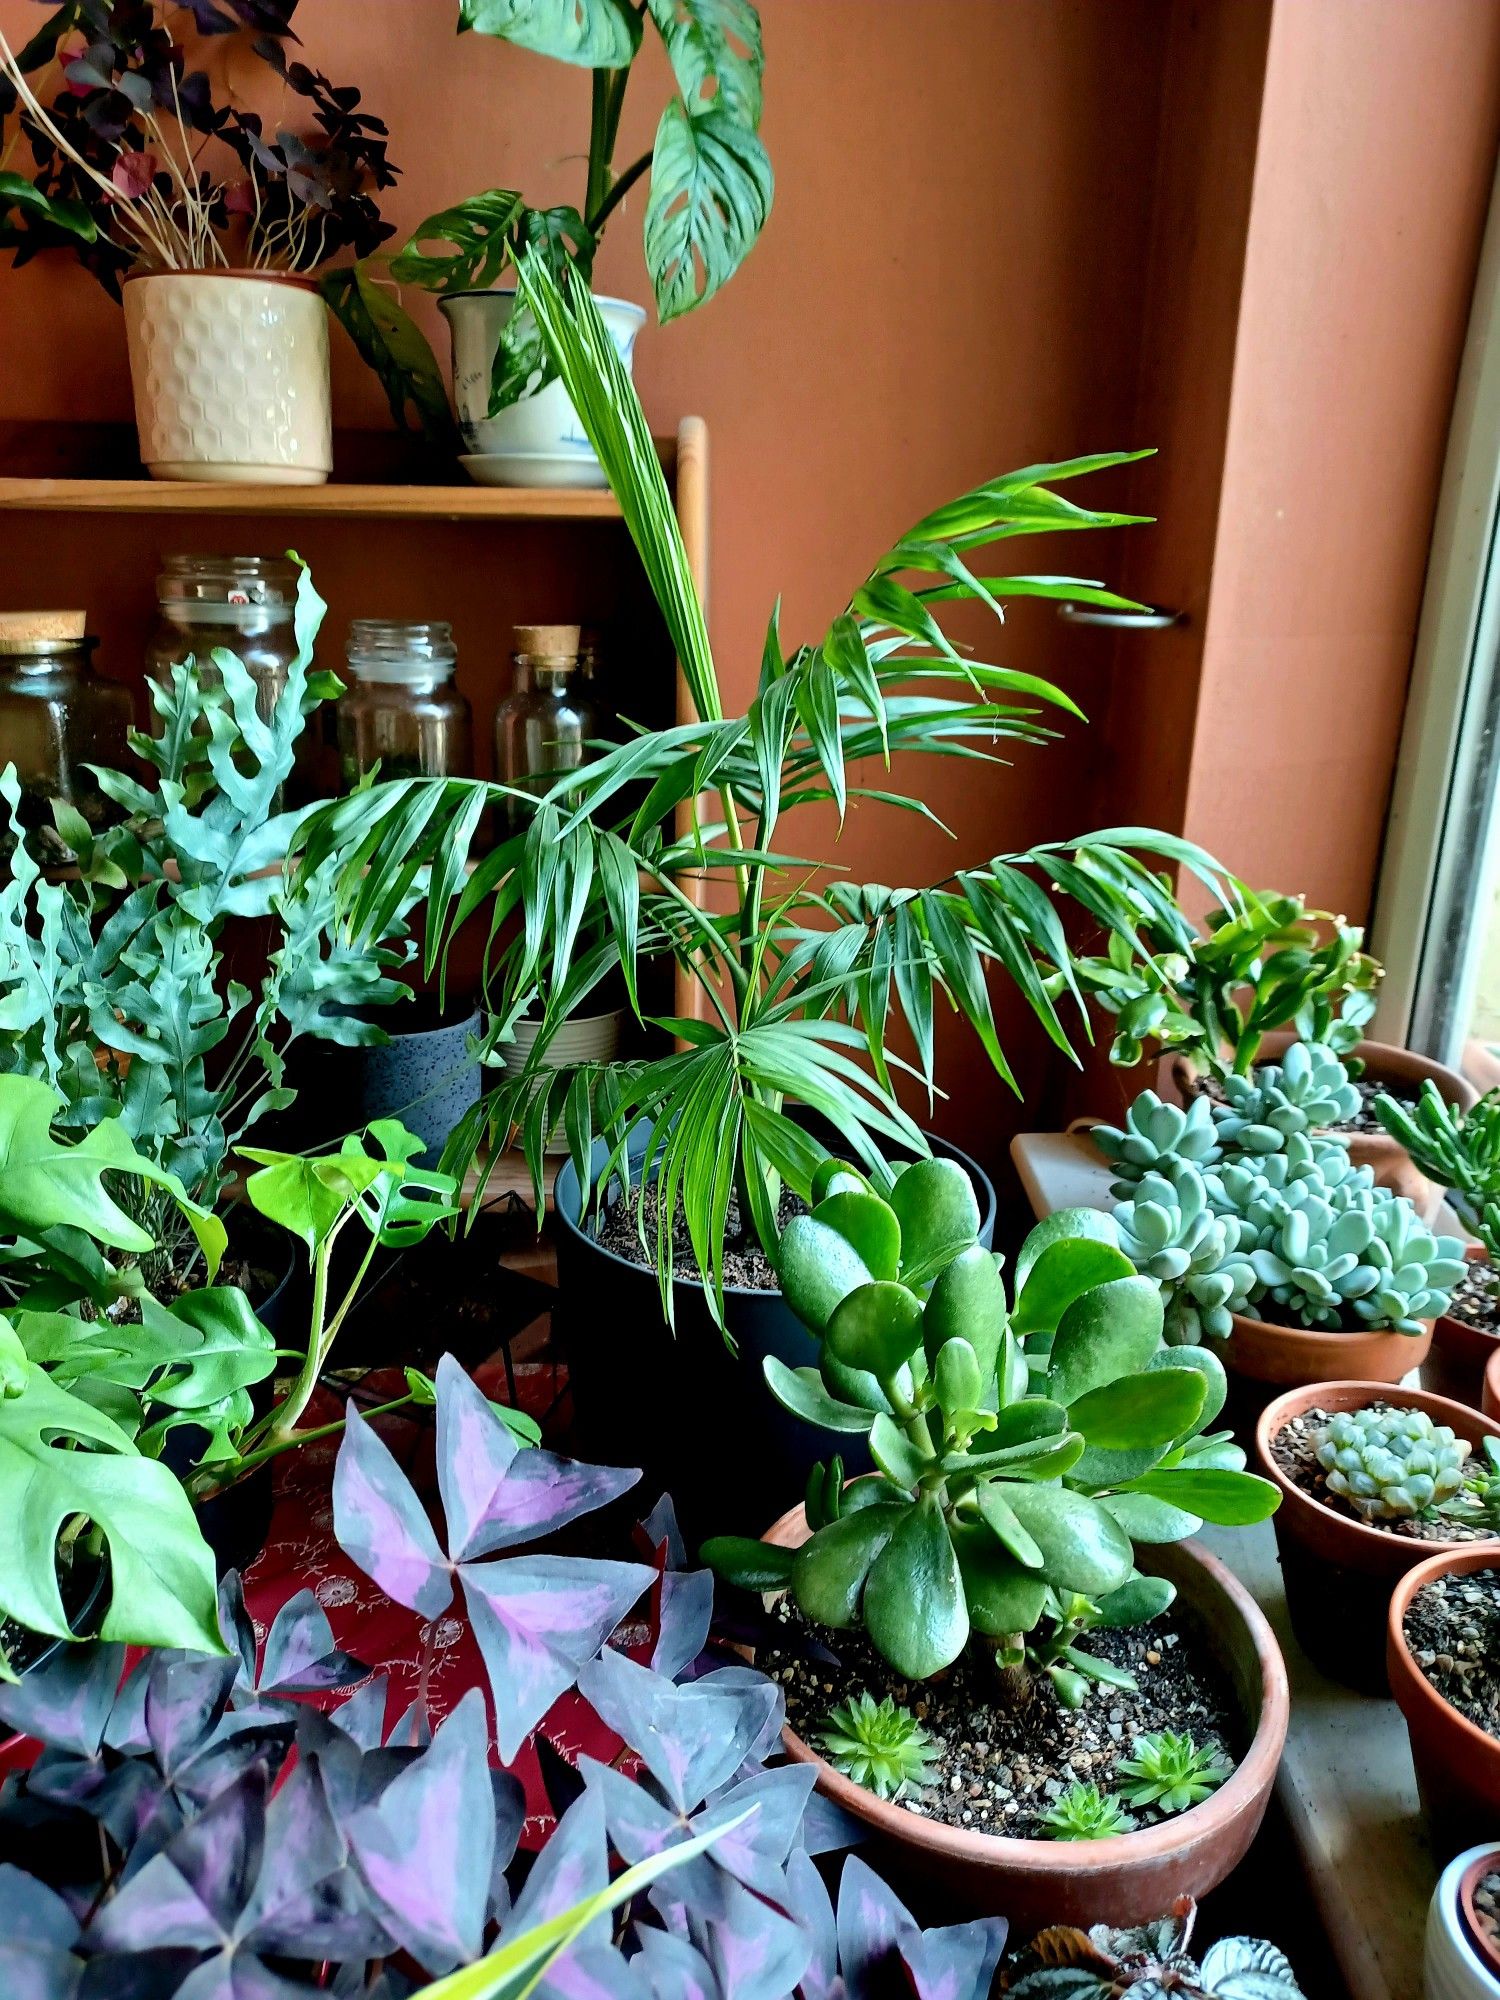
[1083, 1812]
[1266, 961]
[1270, 1213]
[1460, 1150]
[801, 985]
[878, 1744]
[1021, 1449]
[710, 180]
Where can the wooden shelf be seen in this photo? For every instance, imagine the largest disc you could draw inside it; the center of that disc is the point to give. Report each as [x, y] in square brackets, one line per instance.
[340, 501]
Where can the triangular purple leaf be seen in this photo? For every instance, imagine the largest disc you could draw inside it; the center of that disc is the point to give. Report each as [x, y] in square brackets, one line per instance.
[957, 1962]
[687, 1604]
[307, 1902]
[300, 1656]
[872, 1924]
[675, 1969]
[426, 1846]
[236, 1626]
[659, 1526]
[692, 1738]
[572, 1866]
[827, 1828]
[186, 1698]
[756, 1953]
[66, 1702]
[380, 1524]
[362, 1716]
[538, 1620]
[805, 1897]
[193, 1891]
[594, 1972]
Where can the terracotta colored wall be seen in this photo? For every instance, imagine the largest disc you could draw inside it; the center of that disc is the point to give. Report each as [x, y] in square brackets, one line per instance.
[1373, 176]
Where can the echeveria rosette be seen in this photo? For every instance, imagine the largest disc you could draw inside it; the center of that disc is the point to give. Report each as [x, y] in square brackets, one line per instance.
[1170, 1232]
[1018, 1450]
[1155, 1138]
[538, 1619]
[1417, 1269]
[1308, 1091]
[1391, 1465]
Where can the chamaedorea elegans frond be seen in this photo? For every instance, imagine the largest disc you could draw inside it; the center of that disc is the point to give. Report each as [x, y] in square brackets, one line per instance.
[799, 980]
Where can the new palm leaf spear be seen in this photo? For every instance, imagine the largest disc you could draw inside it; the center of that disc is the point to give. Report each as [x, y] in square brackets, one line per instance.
[799, 978]
[1021, 1451]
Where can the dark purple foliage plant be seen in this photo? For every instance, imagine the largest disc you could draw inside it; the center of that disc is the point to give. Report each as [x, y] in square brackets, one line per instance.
[200, 1829]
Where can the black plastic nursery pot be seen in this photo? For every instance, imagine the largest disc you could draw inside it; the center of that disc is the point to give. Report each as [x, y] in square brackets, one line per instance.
[696, 1417]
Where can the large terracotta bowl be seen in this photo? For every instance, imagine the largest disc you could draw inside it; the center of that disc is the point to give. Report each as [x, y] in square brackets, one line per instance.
[1263, 1359]
[1131, 1877]
[1457, 1763]
[1338, 1572]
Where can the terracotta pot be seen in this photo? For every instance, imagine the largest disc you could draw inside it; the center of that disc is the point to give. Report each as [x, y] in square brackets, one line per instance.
[1486, 1949]
[1452, 1965]
[230, 374]
[1263, 1360]
[1129, 1877]
[1338, 1572]
[1460, 1352]
[1384, 1063]
[1489, 1401]
[1457, 1763]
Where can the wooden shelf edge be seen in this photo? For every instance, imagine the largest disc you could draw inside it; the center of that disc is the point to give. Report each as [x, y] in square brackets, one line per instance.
[335, 501]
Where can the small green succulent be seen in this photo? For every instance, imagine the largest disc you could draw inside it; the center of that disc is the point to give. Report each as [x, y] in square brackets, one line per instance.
[879, 1744]
[1391, 1465]
[1170, 1232]
[1417, 1270]
[1173, 1772]
[1460, 1150]
[1308, 1090]
[1083, 1812]
[1155, 1136]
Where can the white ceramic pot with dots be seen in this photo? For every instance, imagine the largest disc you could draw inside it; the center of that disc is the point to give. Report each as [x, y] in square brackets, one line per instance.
[230, 373]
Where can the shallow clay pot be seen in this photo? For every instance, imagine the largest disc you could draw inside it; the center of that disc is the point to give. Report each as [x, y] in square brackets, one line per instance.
[1460, 1352]
[1457, 1763]
[1262, 1360]
[1384, 1063]
[1489, 1401]
[1129, 1877]
[1338, 1572]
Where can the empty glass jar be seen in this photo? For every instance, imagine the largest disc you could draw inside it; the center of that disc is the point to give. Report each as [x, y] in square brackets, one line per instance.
[57, 716]
[242, 603]
[401, 709]
[545, 724]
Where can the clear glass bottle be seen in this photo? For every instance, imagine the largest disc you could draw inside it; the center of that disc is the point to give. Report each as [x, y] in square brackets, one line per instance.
[402, 710]
[545, 724]
[57, 717]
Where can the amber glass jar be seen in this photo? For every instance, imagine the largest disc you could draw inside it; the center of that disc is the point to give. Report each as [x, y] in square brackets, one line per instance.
[546, 723]
[401, 709]
[57, 717]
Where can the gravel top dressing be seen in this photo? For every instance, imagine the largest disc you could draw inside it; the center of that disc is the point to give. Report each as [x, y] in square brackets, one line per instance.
[1453, 1629]
[1487, 1908]
[1475, 1300]
[1292, 1449]
[999, 1769]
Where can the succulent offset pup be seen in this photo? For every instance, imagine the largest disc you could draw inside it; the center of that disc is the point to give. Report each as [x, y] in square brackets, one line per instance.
[1022, 1449]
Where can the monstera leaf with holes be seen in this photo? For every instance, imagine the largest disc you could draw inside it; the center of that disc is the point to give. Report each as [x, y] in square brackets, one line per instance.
[666, 855]
[1022, 1449]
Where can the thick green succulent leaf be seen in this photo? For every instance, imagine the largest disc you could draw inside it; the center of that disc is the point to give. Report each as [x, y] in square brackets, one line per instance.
[1155, 1407]
[956, 1378]
[1003, 1598]
[939, 1216]
[747, 1564]
[1146, 1519]
[1083, 1547]
[877, 1327]
[868, 1225]
[1215, 1379]
[58, 1458]
[595, 34]
[914, 1607]
[817, 1267]
[711, 190]
[1111, 1330]
[1137, 1601]
[1099, 1468]
[829, 1574]
[834, 1176]
[1063, 1272]
[858, 1385]
[899, 1457]
[1064, 1225]
[1027, 1418]
[967, 1301]
[1230, 1499]
[800, 1391]
[1000, 1518]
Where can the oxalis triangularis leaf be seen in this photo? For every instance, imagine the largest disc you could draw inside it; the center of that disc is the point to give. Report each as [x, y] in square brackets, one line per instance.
[537, 1618]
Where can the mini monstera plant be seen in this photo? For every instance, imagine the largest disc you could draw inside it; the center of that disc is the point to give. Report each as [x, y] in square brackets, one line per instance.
[1021, 1449]
[800, 983]
[1267, 961]
[1251, 1202]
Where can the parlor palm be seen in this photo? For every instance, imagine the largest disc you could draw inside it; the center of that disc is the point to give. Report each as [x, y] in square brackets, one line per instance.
[800, 976]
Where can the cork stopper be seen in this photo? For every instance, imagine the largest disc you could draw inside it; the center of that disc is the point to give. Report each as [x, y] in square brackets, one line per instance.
[20, 626]
[547, 642]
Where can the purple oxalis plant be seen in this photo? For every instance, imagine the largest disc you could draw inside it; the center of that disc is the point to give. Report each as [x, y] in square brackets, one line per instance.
[197, 1829]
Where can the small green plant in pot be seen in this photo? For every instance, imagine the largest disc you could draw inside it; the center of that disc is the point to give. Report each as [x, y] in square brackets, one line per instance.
[1023, 1450]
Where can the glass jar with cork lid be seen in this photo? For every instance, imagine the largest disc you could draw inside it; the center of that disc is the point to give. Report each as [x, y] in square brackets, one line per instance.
[546, 724]
[58, 716]
[401, 709]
